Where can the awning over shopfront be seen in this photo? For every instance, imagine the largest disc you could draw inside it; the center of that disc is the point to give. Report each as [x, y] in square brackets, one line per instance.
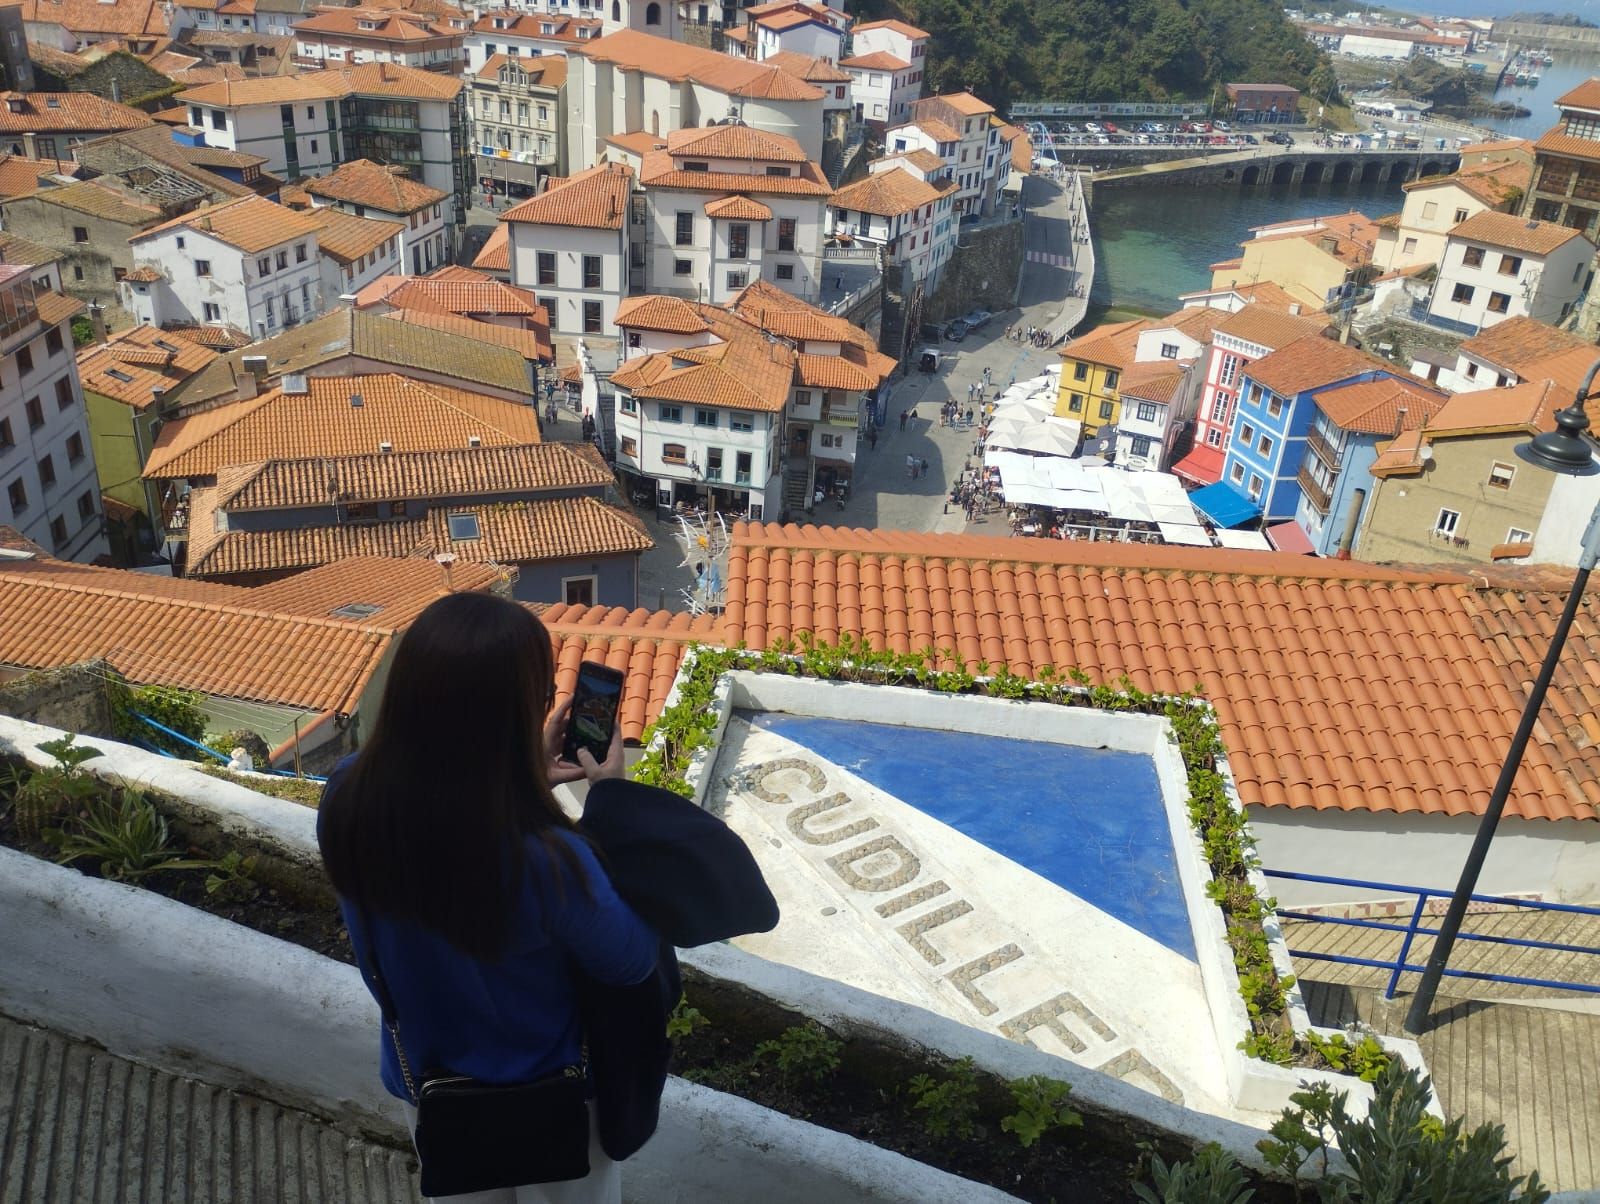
[1288, 537]
[1203, 465]
[1224, 505]
[1252, 541]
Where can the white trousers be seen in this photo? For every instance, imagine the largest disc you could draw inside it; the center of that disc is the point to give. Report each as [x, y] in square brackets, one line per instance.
[602, 1185]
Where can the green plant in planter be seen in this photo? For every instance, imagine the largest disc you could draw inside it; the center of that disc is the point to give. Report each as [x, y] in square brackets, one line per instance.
[232, 879]
[42, 796]
[168, 706]
[951, 1103]
[806, 1053]
[123, 832]
[685, 1019]
[1041, 1108]
[1366, 1058]
[1211, 1177]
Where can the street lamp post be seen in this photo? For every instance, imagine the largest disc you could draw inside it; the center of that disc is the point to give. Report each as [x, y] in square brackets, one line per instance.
[1569, 451]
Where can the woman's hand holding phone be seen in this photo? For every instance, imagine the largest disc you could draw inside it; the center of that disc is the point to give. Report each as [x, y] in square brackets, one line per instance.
[560, 770]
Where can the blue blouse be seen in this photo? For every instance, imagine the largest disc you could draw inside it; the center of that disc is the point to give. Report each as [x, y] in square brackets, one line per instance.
[516, 1019]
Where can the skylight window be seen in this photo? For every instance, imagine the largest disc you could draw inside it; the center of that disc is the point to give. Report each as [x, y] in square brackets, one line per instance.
[356, 610]
[117, 374]
[463, 526]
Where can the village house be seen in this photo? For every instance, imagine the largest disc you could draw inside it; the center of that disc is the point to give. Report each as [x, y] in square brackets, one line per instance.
[1263, 104]
[47, 467]
[167, 165]
[1244, 335]
[73, 25]
[751, 407]
[519, 126]
[1496, 266]
[355, 251]
[1437, 204]
[1348, 425]
[1091, 373]
[88, 224]
[526, 35]
[630, 82]
[249, 264]
[1154, 394]
[363, 188]
[48, 125]
[336, 37]
[461, 292]
[569, 247]
[728, 205]
[1510, 352]
[895, 208]
[1275, 409]
[1566, 180]
[982, 162]
[1311, 258]
[1454, 490]
[803, 27]
[309, 124]
[886, 67]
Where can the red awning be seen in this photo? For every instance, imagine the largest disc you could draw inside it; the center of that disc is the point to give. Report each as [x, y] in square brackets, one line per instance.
[1288, 537]
[1203, 464]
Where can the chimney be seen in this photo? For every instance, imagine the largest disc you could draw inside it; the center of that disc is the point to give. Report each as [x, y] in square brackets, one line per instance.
[97, 319]
[246, 385]
[385, 447]
[158, 394]
[474, 441]
[446, 562]
[256, 366]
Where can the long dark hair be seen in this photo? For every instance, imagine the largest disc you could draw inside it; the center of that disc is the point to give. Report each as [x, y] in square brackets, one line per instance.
[429, 821]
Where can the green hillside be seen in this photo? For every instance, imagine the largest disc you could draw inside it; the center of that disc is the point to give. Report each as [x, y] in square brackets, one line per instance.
[1087, 50]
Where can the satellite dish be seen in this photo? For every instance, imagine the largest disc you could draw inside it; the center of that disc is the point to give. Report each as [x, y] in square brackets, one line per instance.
[1425, 454]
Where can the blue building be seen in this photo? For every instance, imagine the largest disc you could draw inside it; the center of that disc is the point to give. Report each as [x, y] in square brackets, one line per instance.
[1348, 423]
[1267, 443]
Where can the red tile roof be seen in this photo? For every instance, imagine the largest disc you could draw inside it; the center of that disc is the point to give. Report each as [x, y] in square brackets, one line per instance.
[375, 185]
[1585, 96]
[877, 60]
[1312, 361]
[666, 59]
[65, 113]
[734, 142]
[899, 27]
[596, 198]
[1384, 406]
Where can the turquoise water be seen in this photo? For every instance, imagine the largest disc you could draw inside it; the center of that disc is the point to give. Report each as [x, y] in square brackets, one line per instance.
[1153, 243]
[1567, 72]
[1088, 819]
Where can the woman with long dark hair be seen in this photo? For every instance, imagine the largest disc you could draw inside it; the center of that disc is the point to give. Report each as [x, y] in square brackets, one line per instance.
[473, 902]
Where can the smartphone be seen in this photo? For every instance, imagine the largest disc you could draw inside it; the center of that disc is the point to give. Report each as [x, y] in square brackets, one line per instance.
[593, 717]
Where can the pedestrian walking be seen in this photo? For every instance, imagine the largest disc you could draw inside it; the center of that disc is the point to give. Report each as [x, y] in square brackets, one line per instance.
[872, 437]
[924, 466]
[902, 419]
[986, 376]
[911, 465]
[969, 415]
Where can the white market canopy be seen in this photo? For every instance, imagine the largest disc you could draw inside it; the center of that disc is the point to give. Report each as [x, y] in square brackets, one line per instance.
[1073, 484]
[1253, 540]
[1054, 438]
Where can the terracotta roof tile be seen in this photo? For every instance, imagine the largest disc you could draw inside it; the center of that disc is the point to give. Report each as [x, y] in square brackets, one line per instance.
[887, 193]
[921, 158]
[409, 415]
[671, 60]
[596, 199]
[1311, 361]
[964, 103]
[1585, 96]
[1112, 344]
[346, 237]
[399, 588]
[1296, 697]
[1153, 380]
[533, 345]
[938, 130]
[670, 314]
[19, 175]
[1380, 407]
[899, 27]
[1557, 142]
[1530, 406]
[493, 298]
[65, 113]
[363, 182]
[113, 370]
[194, 635]
[659, 170]
[509, 533]
[1505, 230]
[495, 254]
[734, 142]
[1521, 344]
[379, 25]
[369, 79]
[250, 224]
[739, 208]
[877, 60]
[102, 201]
[544, 71]
[810, 68]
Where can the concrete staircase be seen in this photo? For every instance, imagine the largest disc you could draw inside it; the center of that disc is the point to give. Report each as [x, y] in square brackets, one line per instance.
[797, 485]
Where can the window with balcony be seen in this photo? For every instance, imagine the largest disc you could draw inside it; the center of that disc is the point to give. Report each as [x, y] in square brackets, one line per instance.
[713, 464]
[1472, 257]
[741, 468]
[591, 271]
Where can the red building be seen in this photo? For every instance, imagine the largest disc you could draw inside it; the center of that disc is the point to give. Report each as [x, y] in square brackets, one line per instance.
[1257, 104]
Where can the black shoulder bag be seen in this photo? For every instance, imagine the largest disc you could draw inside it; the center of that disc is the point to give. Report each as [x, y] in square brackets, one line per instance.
[474, 1136]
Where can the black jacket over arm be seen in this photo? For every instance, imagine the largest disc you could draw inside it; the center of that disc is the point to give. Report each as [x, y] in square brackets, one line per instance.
[691, 878]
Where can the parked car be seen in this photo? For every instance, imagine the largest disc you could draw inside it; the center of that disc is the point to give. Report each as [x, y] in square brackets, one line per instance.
[1092, 127]
[1224, 127]
[1280, 139]
[956, 331]
[977, 319]
[1109, 127]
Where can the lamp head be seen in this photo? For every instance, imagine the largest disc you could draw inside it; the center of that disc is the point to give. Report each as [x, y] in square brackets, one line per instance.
[1567, 449]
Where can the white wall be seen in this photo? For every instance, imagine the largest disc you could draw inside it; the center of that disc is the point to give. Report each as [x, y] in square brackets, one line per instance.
[1541, 288]
[570, 244]
[235, 286]
[708, 253]
[1559, 537]
[1554, 861]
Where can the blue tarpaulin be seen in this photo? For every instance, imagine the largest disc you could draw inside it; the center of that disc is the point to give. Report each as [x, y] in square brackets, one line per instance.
[1224, 505]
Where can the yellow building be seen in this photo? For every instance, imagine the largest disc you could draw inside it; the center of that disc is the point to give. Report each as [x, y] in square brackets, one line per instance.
[1091, 370]
[1309, 256]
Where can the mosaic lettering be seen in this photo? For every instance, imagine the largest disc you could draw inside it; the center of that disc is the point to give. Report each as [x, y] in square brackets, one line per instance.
[798, 825]
[911, 898]
[916, 931]
[884, 862]
[1133, 1067]
[1050, 1015]
[756, 779]
[965, 978]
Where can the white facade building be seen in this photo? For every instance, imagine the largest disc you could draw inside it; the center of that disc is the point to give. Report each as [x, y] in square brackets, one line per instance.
[1496, 266]
[49, 490]
[363, 188]
[250, 264]
[898, 208]
[355, 251]
[887, 67]
[309, 124]
[801, 27]
[569, 246]
[724, 207]
[527, 35]
[630, 82]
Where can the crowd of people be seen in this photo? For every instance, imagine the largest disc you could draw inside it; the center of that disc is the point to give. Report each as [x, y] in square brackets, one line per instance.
[1037, 335]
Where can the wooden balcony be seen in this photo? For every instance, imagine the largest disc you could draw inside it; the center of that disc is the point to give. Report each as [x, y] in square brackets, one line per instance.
[1324, 450]
[1315, 493]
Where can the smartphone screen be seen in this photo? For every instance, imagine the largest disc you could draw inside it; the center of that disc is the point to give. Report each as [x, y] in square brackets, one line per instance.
[594, 712]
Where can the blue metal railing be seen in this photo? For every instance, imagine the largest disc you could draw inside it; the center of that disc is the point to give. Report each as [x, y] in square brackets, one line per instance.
[210, 752]
[1415, 928]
